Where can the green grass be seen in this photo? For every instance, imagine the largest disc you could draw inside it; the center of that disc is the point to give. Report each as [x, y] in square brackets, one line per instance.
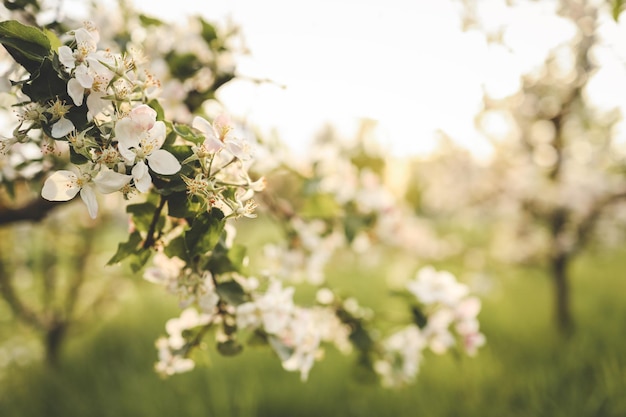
[526, 369]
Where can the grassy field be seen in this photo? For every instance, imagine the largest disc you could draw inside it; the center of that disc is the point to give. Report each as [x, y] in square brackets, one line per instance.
[525, 369]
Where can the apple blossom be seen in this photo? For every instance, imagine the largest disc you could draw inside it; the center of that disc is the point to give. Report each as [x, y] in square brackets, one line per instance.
[63, 185]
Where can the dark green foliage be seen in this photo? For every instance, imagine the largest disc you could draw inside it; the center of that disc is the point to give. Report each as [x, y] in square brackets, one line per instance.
[28, 45]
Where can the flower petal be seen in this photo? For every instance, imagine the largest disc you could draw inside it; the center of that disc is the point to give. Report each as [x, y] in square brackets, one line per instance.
[83, 76]
[108, 181]
[60, 186]
[76, 91]
[62, 128]
[163, 162]
[89, 197]
[96, 104]
[203, 126]
[142, 177]
[157, 134]
[66, 56]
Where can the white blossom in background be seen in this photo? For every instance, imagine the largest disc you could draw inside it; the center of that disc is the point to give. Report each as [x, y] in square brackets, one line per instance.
[171, 349]
[432, 286]
[401, 357]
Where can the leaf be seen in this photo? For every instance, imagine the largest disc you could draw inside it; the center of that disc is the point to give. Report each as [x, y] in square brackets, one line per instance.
[55, 42]
[183, 66]
[139, 259]
[196, 98]
[229, 348]
[26, 44]
[127, 248]
[419, 317]
[188, 133]
[142, 214]
[209, 34]
[177, 248]
[618, 7]
[45, 85]
[237, 255]
[156, 106]
[181, 205]
[205, 232]
[149, 21]
[232, 292]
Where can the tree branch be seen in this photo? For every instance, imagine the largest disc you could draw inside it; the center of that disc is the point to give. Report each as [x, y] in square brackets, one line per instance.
[35, 210]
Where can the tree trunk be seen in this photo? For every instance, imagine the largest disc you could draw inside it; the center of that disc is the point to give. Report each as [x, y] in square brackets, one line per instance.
[54, 338]
[562, 306]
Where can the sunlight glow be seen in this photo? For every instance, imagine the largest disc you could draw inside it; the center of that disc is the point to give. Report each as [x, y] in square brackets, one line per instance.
[410, 66]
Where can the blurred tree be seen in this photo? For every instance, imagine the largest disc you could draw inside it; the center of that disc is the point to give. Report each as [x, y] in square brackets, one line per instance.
[556, 170]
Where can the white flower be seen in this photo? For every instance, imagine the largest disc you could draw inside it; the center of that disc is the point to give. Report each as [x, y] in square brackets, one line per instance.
[217, 136]
[64, 185]
[171, 362]
[272, 310]
[85, 45]
[402, 356]
[431, 286]
[164, 270]
[140, 138]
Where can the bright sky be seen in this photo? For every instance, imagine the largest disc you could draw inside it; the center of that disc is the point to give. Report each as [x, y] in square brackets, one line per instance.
[406, 64]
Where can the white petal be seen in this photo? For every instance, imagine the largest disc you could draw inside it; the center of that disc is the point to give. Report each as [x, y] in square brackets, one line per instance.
[108, 181]
[62, 128]
[60, 186]
[66, 57]
[142, 177]
[126, 133]
[143, 116]
[84, 36]
[163, 162]
[203, 126]
[96, 104]
[76, 91]
[157, 134]
[89, 197]
[82, 75]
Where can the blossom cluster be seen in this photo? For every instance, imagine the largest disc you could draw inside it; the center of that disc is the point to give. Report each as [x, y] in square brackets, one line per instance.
[107, 132]
[449, 308]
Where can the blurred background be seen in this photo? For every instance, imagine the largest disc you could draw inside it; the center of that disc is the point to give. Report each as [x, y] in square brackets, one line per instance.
[497, 124]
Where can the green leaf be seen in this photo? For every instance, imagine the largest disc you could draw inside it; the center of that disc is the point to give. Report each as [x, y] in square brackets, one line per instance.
[28, 45]
[232, 292]
[196, 98]
[360, 338]
[183, 66]
[188, 133]
[419, 317]
[21, 4]
[142, 214]
[209, 34]
[181, 205]
[156, 106]
[237, 256]
[229, 348]
[45, 85]
[618, 7]
[139, 259]
[205, 232]
[127, 248]
[177, 248]
[55, 42]
[149, 21]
